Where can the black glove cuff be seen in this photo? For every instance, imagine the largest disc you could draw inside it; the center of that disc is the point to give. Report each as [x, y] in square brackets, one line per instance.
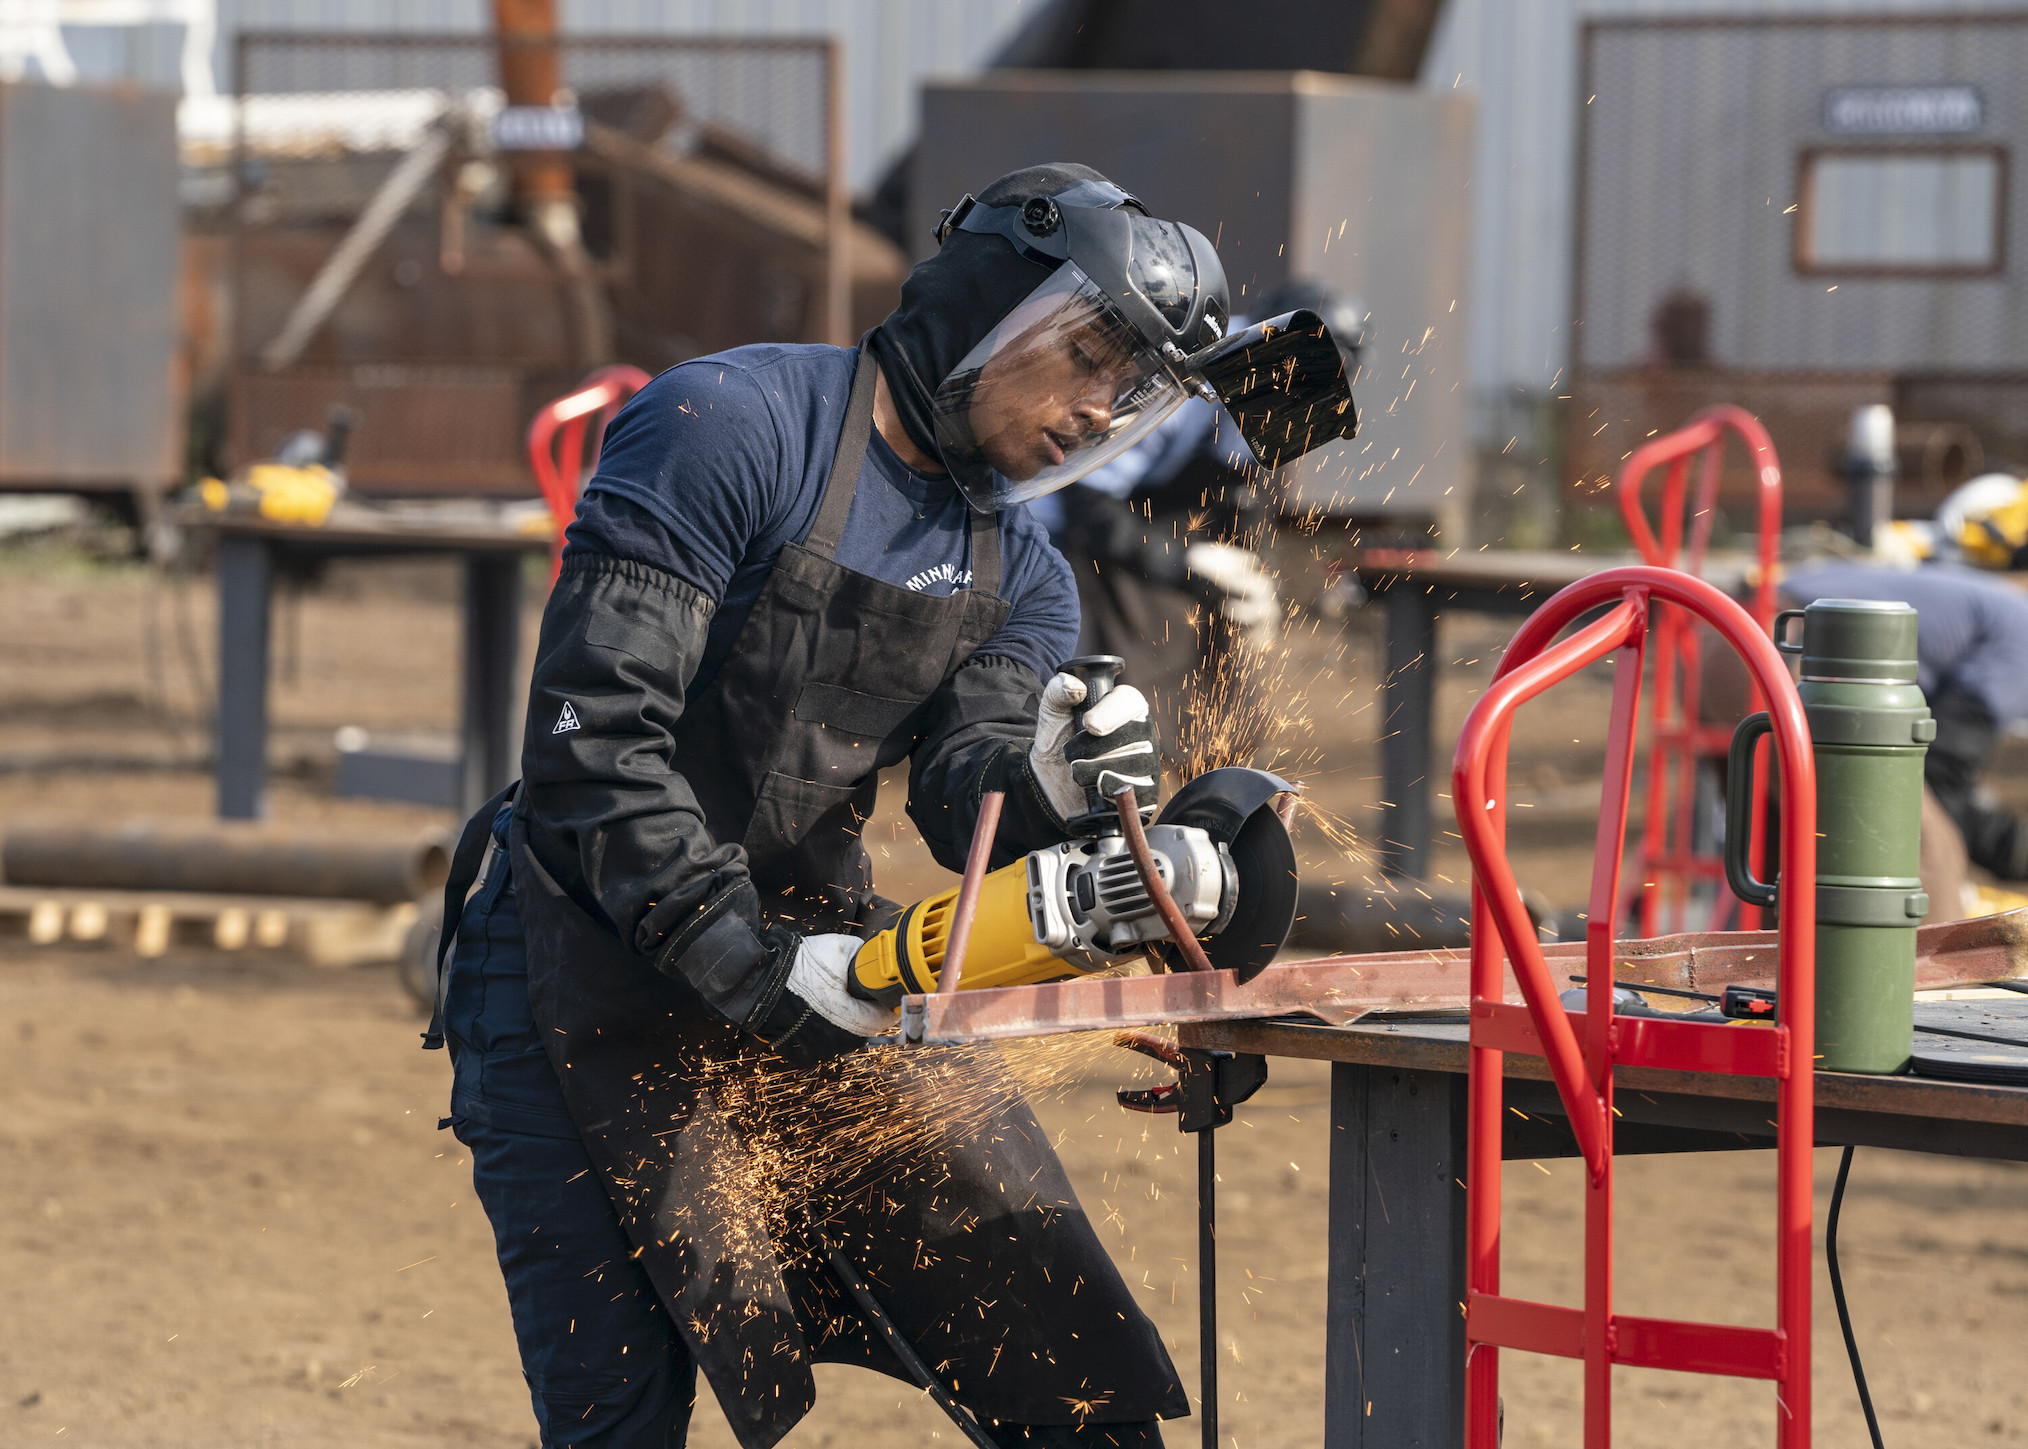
[1006, 769]
[719, 952]
[1029, 790]
[795, 1031]
[781, 944]
[1012, 772]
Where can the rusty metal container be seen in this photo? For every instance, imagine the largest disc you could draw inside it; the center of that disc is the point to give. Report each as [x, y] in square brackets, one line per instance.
[710, 196]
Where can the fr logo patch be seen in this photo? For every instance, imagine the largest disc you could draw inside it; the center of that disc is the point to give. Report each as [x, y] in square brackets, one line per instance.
[565, 721]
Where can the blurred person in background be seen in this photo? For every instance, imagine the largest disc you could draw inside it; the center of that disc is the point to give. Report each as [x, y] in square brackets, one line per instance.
[1972, 665]
[1165, 544]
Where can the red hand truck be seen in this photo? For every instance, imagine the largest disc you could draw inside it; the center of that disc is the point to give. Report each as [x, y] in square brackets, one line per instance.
[1583, 1049]
[562, 468]
[1670, 861]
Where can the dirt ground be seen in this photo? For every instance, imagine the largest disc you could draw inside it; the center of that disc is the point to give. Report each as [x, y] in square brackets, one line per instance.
[227, 1217]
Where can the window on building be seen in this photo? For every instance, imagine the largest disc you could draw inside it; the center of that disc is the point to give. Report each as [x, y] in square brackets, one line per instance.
[1906, 211]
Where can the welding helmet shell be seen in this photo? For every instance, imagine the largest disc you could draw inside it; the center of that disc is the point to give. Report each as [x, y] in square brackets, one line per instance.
[1086, 364]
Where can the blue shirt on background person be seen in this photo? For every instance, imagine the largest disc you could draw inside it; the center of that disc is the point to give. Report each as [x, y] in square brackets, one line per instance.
[1972, 634]
[1971, 651]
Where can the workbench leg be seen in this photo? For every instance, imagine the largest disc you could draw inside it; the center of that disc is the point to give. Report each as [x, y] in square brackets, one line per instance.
[245, 589]
[1394, 1335]
[491, 738]
[1408, 699]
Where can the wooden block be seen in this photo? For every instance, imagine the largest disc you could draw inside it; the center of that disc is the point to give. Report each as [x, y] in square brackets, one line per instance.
[151, 930]
[88, 921]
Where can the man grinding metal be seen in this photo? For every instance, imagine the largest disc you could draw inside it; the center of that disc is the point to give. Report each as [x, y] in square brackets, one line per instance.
[797, 565]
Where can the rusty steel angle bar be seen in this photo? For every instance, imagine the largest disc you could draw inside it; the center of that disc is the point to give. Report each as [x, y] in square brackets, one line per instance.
[1338, 990]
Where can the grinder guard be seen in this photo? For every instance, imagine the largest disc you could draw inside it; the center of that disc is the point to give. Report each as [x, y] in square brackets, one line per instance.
[1234, 806]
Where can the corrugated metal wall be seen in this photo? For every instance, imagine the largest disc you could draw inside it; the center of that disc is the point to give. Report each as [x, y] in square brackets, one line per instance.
[890, 45]
[1694, 148]
[1521, 56]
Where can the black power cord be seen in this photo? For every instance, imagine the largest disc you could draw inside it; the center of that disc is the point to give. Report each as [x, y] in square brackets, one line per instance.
[1207, 1286]
[1838, 1293]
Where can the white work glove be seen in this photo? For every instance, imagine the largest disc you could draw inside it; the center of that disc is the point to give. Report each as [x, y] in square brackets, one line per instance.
[1247, 591]
[1114, 748]
[818, 976]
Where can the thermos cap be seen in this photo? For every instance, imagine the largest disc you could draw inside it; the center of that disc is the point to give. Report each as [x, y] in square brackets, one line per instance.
[1859, 640]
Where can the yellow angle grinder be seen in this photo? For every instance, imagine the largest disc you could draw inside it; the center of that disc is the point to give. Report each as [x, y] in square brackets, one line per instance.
[1072, 909]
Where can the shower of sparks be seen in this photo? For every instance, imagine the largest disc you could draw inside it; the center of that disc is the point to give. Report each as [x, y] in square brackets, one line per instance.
[1334, 828]
[1254, 695]
[777, 1163]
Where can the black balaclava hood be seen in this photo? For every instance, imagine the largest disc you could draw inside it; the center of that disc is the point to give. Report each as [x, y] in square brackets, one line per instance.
[954, 298]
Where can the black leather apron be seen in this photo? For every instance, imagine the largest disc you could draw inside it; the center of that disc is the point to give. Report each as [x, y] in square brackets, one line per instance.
[731, 1170]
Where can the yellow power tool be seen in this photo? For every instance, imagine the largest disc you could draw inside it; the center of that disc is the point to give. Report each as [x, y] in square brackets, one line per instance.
[1072, 909]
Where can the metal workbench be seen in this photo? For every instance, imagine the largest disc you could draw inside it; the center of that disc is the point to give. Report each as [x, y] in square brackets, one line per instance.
[1394, 1341]
[1415, 587]
[252, 550]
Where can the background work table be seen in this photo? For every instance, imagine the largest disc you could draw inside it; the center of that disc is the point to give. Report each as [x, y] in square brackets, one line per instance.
[490, 542]
[1415, 586]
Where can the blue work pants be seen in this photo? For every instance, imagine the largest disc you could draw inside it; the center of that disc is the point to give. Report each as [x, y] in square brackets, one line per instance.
[604, 1368]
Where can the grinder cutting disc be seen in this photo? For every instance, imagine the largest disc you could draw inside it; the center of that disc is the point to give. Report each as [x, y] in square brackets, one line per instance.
[1234, 807]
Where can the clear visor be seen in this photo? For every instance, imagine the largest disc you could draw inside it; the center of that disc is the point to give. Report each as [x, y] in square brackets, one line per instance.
[1061, 386]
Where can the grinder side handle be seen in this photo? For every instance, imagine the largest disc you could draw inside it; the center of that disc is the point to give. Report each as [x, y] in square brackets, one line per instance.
[1100, 673]
[1101, 676]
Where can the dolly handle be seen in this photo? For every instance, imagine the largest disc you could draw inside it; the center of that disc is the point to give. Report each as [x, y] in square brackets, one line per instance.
[1739, 812]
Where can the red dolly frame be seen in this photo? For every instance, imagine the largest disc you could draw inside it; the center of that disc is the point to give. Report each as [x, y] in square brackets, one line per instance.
[1669, 863]
[1583, 1050]
[560, 470]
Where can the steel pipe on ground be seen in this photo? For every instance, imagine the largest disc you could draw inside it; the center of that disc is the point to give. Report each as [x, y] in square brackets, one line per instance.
[223, 857]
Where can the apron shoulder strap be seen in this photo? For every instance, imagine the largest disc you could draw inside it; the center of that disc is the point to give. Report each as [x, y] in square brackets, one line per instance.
[843, 480]
[985, 552]
[465, 863]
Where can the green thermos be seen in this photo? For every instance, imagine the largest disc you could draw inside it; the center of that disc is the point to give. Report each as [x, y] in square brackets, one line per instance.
[1869, 730]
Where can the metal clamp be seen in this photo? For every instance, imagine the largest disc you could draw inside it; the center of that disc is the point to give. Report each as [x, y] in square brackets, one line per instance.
[1208, 1085]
